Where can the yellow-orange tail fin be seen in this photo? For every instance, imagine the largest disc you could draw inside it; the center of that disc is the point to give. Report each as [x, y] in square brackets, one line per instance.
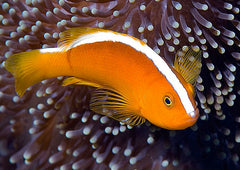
[29, 68]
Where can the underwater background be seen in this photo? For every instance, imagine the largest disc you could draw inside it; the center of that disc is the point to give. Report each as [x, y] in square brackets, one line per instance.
[33, 128]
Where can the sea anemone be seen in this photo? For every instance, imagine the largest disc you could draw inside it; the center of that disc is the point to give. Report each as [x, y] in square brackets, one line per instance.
[51, 127]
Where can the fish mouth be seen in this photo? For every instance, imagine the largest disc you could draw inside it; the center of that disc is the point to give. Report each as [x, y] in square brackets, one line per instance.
[184, 122]
[190, 120]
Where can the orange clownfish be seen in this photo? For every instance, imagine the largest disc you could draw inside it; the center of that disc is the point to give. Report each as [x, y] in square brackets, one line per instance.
[133, 83]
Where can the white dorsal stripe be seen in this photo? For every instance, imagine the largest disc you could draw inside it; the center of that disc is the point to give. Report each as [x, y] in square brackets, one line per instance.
[161, 65]
[50, 50]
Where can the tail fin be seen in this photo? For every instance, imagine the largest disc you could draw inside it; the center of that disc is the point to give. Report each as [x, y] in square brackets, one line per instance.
[28, 68]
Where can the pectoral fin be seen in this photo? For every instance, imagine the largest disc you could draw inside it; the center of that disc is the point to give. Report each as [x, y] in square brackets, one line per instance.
[114, 105]
[188, 63]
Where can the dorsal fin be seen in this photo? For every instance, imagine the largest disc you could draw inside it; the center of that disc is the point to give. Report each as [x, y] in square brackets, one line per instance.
[188, 63]
[114, 105]
[68, 37]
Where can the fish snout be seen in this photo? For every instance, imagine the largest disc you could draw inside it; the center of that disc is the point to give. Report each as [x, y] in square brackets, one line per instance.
[193, 116]
[194, 113]
[189, 119]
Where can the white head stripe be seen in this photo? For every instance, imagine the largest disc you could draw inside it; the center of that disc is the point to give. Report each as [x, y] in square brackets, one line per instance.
[161, 65]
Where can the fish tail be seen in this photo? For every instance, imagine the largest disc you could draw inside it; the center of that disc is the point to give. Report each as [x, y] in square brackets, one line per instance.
[28, 68]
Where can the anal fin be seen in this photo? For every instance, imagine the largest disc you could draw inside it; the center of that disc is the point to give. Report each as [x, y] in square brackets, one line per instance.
[78, 81]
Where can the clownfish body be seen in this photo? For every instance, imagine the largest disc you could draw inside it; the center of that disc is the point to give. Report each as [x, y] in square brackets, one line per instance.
[132, 82]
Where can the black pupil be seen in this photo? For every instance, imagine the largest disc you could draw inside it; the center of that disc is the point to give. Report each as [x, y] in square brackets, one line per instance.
[168, 101]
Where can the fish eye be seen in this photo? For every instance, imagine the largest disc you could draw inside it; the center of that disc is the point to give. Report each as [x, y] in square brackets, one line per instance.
[167, 101]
